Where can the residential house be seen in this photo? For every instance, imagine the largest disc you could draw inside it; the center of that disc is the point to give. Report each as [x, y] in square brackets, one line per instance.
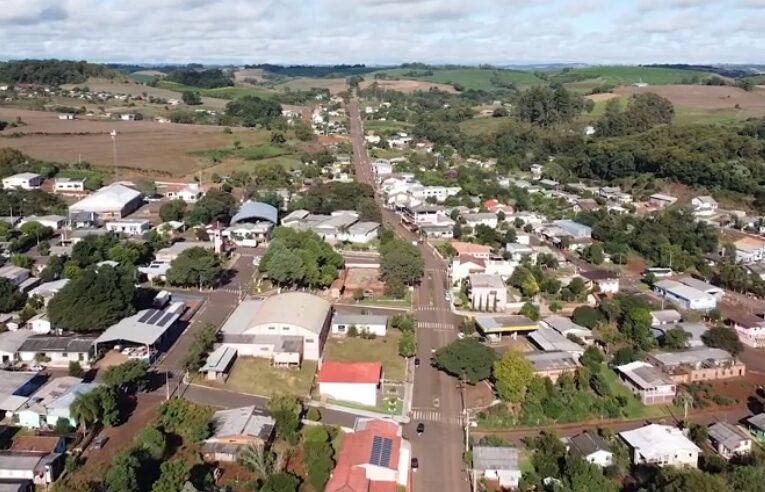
[694, 330]
[552, 364]
[517, 252]
[58, 351]
[167, 255]
[23, 181]
[704, 205]
[614, 194]
[749, 327]
[465, 265]
[373, 457]
[586, 205]
[218, 363]
[129, 227]
[661, 445]
[355, 382]
[69, 186]
[573, 229]
[566, 327]
[188, 192]
[487, 292]
[647, 383]
[424, 214]
[382, 167]
[686, 297]
[16, 275]
[488, 219]
[52, 402]
[698, 364]
[373, 324]
[55, 222]
[235, 430]
[749, 249]
[16, 387]
[549, 340]
[471, 249]
[603, 281]
[592, 448]
[10, 341]
[663, 317]
[661, 200]
[21, 467]
[729, 440]
[536, 171]
[498, 464]
[756, 426]
[286, 328]
[40, 324]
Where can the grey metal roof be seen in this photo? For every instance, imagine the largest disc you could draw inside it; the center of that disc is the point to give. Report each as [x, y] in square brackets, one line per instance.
[245, 421]
[495, 458]
[667, 315]
[696, 357]
[239, 320]
[17, 485]
[359, 319]
[681, 290]
[551, 361]
[699, 285]
[144, 327]
[548, 339]
[113, 197]
[10, 341]
[219, 359]
[11, 460]
[563, 325]
[297, 308]
[729, 435]
[256, 210]
[52, 343]
[757, 421]
[587, 443]
[644, 375]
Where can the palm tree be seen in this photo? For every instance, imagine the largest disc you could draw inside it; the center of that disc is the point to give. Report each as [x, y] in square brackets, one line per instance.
[258, 460]
[86, 409]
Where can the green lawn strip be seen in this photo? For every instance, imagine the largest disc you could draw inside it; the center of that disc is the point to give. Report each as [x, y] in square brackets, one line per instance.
[382, 349]
[257, 376]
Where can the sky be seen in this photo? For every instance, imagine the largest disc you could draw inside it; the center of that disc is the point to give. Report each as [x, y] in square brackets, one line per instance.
[378, 32]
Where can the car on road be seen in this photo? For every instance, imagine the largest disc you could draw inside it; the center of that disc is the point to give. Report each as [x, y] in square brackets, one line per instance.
[420, 428]
[460, 335]
[415, 464]
[436, 402]
[416, 362]
[99, 442]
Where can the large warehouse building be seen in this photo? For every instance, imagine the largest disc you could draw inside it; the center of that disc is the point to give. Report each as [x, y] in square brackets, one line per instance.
[110, 202]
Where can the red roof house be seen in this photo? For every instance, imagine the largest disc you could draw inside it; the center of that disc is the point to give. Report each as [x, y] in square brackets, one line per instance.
[374, 458]
[355, 382]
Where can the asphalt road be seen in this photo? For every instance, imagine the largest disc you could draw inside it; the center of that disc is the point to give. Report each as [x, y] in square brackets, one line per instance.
[437, 400]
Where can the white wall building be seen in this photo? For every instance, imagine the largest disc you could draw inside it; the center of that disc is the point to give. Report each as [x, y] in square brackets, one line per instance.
[661, 445]
[23, 181]
[704, 205]
[129, 227]
[69, 185]
[375, 324]
[355, 382]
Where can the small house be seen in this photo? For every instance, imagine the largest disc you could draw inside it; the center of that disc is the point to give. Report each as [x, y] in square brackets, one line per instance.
[661, 445]
[499, 464]
[218, 363]
[373, 324]
[729, 440]
[592, 448]
[234, 430]
[355, 382]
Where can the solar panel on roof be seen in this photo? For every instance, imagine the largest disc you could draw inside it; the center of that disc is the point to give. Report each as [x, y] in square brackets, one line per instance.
[155, 317]
[387, 445]
[166, 319]
[146, 316]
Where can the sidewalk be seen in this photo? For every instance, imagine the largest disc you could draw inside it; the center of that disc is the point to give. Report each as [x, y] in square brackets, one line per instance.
[402, 419]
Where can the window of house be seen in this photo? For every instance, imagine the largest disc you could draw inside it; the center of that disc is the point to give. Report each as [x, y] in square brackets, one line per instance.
[309, 340]
[341, 328]
[264, 349]
[271, 328]
[285, 328]
[64, 354]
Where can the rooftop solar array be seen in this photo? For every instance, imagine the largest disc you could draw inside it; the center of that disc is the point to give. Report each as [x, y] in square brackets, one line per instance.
[381, 449]
[155, 317]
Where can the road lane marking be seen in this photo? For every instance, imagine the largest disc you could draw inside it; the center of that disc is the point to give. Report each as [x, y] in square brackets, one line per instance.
[434, 416]
[435, 326]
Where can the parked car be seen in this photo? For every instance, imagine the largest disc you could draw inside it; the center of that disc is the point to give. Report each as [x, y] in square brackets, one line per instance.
[416, 362]
[460, 335]
[99, 442]
[420, 428]
[415, 464]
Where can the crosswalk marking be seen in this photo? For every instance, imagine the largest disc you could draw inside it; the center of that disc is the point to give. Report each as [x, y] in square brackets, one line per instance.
[435, 326]
[427, 308]
[433, 416]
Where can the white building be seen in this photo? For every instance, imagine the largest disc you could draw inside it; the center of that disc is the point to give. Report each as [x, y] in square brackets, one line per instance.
[55, 222]
[188, 192]
[704, 205]
[729, 440]
[129, 227]
[69, 185]
[487, 292]
[57, 351]
[23, 181]
[498, 464]
[375, 324]
[52, 402]
[286, 328]
[661, 445]
[603, 281]
[110, 202]
[592, 448]
[749, 327]
[749, 249]
[355, 382]
[686, 297]
[488, 219]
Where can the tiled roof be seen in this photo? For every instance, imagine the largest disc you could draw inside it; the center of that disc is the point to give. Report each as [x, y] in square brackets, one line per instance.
[350, 372]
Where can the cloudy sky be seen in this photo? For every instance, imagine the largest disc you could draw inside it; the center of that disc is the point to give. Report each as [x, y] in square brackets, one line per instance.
[386, 31]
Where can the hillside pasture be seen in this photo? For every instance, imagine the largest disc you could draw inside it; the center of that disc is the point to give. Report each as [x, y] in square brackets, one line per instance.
[469, 78]
[134, 89]
[744, 104]
[587, 78]
[143, 146]
[219, 93]
[409, 85]
[305, 83]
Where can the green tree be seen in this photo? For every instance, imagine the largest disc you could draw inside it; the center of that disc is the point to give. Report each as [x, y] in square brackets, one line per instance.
[592, 358]
[281, 482]
[173, 476]
[637, 327]
[75, 369]
[172, 210]
[86, 409]
[151, 441]
[62, 427]
[94, 300]
[407, 345]
[300, 258]
[195, 267]
[128, 377]
[467, 358]
[724, 338]
[530, 310]
[122, 474]
[676, 339]
[586, 316]
[594, 254]
[201, 345]
[10, 296]
[191, 98]
[285, 410]
[401, 264]
[512, 374]
[21, 260]
[129, 253]
[683, 480]
[258, 460]
[747, 478]
[188, 420]
[253, 111]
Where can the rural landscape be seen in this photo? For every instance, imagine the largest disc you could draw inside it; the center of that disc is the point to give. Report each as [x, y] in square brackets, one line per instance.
[260, 249]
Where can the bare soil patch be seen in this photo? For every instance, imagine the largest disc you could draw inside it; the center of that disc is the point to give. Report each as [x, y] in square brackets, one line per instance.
[162, 148]
[248, 73]
[605, 96]
[409, 85]
[304, 83]
[705, 97]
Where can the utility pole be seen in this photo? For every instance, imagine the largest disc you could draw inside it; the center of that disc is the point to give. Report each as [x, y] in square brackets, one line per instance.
[114, 154]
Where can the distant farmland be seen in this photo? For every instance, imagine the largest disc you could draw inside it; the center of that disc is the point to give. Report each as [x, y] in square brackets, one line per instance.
[469, 78]
[586, 79]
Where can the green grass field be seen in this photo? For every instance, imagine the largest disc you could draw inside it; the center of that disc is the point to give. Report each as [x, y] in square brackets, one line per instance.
[387, 126]
[257, 377]
[683, 115]
[585, 79]
[479, 126]
[383, 349]
[469, 78]
[220, 92]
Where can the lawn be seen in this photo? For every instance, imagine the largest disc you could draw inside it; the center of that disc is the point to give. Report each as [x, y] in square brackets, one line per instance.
[387, 126]
[383, 349]
[257, 377]
[635, 408]
[481, 126]
[587, 78]
[683, 115]
[219, 92]
[469, 78]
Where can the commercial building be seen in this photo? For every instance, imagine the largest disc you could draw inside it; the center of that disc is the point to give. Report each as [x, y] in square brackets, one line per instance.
[647, 383]
[573, 229]
[686, 297]
[373, 457]
[487, 292]
[552, 364]
[661, 445]
[374, 324]
[592, 448]
[234, 430]
[493, 327]
[55, 222]
[355, 382]
[566, 327]
[112, 202]
[705, 287]
[498, 464]
[23, 181]
[286, 328]
[252, 224]
[698, 364]
[729, 440]
[549, 340]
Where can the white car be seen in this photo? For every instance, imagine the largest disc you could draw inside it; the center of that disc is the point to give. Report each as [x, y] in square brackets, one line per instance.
[460, 335]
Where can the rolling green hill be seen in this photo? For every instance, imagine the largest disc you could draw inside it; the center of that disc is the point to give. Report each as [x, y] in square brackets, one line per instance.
[469, 78]
[220, 92]
[585, 79]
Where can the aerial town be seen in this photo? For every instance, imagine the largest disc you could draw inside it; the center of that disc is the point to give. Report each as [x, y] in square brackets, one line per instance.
[381, 278]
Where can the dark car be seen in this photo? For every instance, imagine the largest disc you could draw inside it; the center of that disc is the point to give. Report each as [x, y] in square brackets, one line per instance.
[99, 442]
[415, 464]
[416, 362]
[420, 428]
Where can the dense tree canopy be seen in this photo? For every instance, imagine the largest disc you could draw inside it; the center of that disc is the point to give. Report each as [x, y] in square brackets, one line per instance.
[50, 72]
[253, 111]
[214, 205]
[401, 265]
[467, 358]
[195, 267]
[329, 197]
[94, 300]
[300, 258]
[546, 106]
[206, 79]
[643, 112]
[11, 298]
